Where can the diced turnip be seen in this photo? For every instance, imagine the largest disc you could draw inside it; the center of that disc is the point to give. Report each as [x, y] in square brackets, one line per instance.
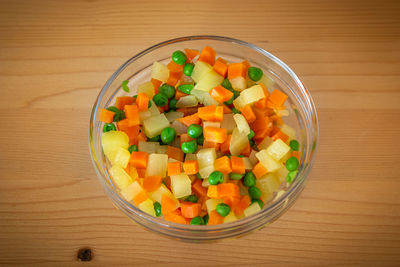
[173, 115]
[143, 115]
[278, 149]
[159, 72]
[200, 69]
[187, 101]
[148, 207]
[238, 142]
[147, 88]
[268, 162]
[157, 165]
[252, 209]
[120, 177]
[208, 81]
[241, 124]
[228, 123]
[181, 185]
[281, 174]
[154, 125]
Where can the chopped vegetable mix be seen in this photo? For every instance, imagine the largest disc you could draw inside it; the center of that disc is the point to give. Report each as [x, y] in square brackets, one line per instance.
[203, 142]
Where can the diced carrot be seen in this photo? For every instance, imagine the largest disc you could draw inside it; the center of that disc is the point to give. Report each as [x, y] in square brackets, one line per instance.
[212, 191]
[225, 145]
[127, 168]
[261, 113]
[174, 216]
[121, 101]
[221, 67]
[187, 111]
[232, 201]
[189, 120]
[174, 168]
[175, 153]
[131, 131]
[179, 94]
[209, 144]
[191, 54]
[156, 83]
[106, 115]
[246, 63]
[220, 94]
[237, 165]
[132, 114]
[202, 201]
[228, 190]
[227, 110]
[198, 188]
[260, 134]
[185, 138]
[274, 130]
[223, 164]
[248, 113]
[280, 135]
[167, 182]
[173, 78]
[262, 103]
[191, 167]
[190, 209]
[296, 154]
[139, 159]
[141, 172]
[246, 151]
[260, 123]
[211, 113]
[276, 120]
[277, 97]
[151, 183]
[215, 134]
[215, 218]
[237, 70]
[167, 204]
[173, 67]
[259, 170]
[142, 101]
[207, 55]
[244, 202]
[139, 198]
[266, 93]
[140, 137]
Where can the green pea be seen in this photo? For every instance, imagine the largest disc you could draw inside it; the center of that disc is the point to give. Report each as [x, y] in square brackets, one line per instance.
[254, 192]
[230, 101]
[249, 179]
[235, 176]
[189, 147]
[188, 69]
[199, 176]
[119, 114]
[157, 208]
[149, 105]
[179, 57]
[290, 176]
[200, 140]
[192, 198]
[167, 90]
[223, 209]
[255, 73]
[172, 104]
[156, 138]
[236, 111]
[132, 148]
[252, 143]
[294, 145]
[194, 130]
[125, 86]
[259, 201]
[226, 84]
[235, 94]
[251, 134]
[109, 127]
[160, 100]
[197, 221]
[292, 164]
[168, 135]
[216, 177]
[135, 96]
[186, 88]
[240, 156]
[205, 218]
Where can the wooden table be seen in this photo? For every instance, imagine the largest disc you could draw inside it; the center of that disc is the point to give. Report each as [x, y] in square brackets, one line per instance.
[56, 55]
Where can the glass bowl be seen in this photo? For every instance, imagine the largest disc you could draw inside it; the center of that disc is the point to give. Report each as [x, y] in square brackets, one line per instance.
[303, 118]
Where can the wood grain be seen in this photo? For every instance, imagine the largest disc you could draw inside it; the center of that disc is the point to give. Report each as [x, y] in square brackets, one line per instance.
[54, 57]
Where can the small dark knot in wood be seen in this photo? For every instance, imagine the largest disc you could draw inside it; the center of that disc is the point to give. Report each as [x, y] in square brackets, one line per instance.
[85, 254]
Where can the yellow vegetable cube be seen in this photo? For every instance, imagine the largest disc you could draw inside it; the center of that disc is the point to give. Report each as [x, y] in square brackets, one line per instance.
[238, 83]
[173, 115]
[131, 190]
[120, 177]
[157, 164]
[206, 157]
[230, 217]
[268, 162]
[162, 149]
[206, 171]
[247, 164]
[211, 124]
[122, 157]
[252, 94]
[241, 124]
[181, 185]
[289, 131]
[268, 82]
[113, 140]
[265, 143]
[239, 102]
[147, 88]
[238, 142]
[199, 70]
[154, 125]
[153, 109]
[281, 174]
[208, 100]
[269, 183]
[208, 81]
[159, 72]
[212, 203]
[148, 207]
[187, 101]
[157, 194]
[278, 149]
[252, 209]
[149, 147]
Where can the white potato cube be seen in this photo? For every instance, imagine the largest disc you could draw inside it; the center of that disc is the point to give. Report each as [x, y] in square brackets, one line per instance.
[247, 164]
[120, 177]
[173, 115]
[159, 72]
[241, 124]
[238, 142]
[206, 157]
[148, 207]
[162, 149]
[215, 124]
[268, 82]
[179, 127]
[153, 109]
[208, 81]
[154, 125]
[147, 88]
[278, 149]
[268, 162]
[209, 100]
[206, 171]
[253, 159]
[181, 185]
[157, 195]
[113, 140]
[252, 209]
[131, 191]
[252, 94]
[289, 131]
[268, 183]
[199, 70]
[228, 123]
[149, 147]
[238, 83]
[122, 157]
[265, 143]
[157, 164]
[230, 217]
[187, 101]
[239, 102]
[212, 203]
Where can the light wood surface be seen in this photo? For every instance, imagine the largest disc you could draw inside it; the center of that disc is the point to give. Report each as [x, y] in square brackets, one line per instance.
[56, 55]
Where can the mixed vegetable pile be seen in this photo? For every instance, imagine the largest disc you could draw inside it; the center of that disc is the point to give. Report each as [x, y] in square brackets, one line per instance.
[202, 143]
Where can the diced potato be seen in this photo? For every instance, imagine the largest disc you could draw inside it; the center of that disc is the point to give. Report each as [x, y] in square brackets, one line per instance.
[278, 149]
[252, 209]
[228, 123]
[173, 115]
[206, 157]
[148, 207]
[199, 94]
[159, 72]
[265, 143]
[206, 171]
[149, 147]
[241, 124]
[268, 82]
[289, 131]
[162, 149]
[209, 100]
[268, 162]
[157, 195]
[253, 159]
[247, 164]
[208, 81]
[153, 109]
[131, 191]
[179, 127]
[268, 184]
[205, 183]
[147, 88]
[215, 124]
[282, 112]
[143, 115]
[176, 142]
[113, 140]
[238, 83]
[157, 165]
[181, 185]
[190, 156]
[239, 102]
[122, 157]
[187, 101]
[120, 177]
[212, 203]
[230, 217]
[252, 94]
[199, 70]
[154, 125]
[286, 157]
[281, 174]
[238, 142]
